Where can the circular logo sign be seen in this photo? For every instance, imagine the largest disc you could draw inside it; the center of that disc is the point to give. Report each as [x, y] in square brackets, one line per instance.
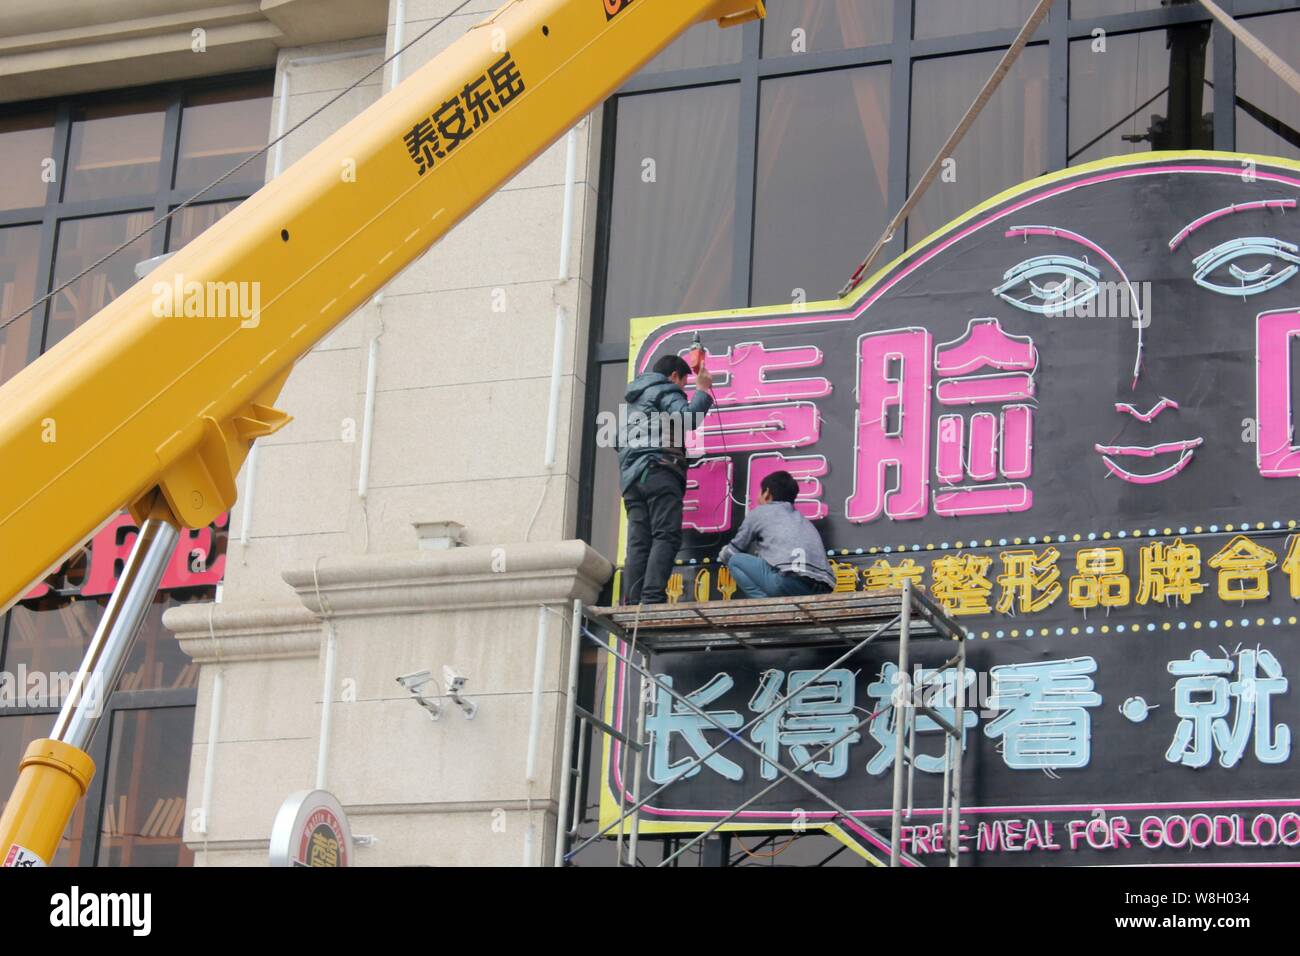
[311, 830]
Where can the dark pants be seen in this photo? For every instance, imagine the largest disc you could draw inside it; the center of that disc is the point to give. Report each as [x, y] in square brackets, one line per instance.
[654, 534]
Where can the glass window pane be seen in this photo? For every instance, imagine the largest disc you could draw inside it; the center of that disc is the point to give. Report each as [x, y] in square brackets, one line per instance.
[80, 243]
[50, 636]
[943, 18]
[823, 169]
[15, 734]
[192, 220]
[115, 150]
[1120, 98]
[826, 25]
[144, 800]
[1083, 9]
[26, 143]
[219, 130]
[19, 249]
[1007, 144]
[702, 45]
[673, 205]
[605, 492]
[1268, 111]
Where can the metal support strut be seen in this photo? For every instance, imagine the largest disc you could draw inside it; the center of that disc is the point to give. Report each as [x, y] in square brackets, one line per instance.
[56, 771]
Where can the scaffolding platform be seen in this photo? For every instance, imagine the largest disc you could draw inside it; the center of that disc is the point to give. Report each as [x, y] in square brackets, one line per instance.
[807, 621]
[845, 622]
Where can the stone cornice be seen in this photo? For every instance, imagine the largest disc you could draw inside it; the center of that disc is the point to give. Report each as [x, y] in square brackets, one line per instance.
[223, 633]
[408, 582]
[57, 47]
[513, 575]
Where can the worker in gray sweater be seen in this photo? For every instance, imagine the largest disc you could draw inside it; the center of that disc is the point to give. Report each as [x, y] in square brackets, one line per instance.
[777, 552]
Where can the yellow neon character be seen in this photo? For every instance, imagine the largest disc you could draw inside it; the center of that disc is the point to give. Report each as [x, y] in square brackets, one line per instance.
[676, 587]
[1030, 580]
[846, 577]
[883, 576]
[726, 583]
[961, 584]
[1101, 580]
[1292, 565]
[702, 590]
[1169, 571]
[1242, 561]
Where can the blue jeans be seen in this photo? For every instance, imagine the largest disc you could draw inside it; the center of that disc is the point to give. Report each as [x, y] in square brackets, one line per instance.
[758, 579]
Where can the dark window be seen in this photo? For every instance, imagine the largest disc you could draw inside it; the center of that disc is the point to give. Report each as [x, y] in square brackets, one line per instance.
[27, 145]
[144, 815]
[19, 257]
[943, 18]
[674, 179]
[823, 180]
[702, 45]
[1007, 144]
[1268, 111]
[219, 130]
[1141, 91]
[82, 243]
[192, 220]
[812, 26]
[116, 150]
[1083, 9]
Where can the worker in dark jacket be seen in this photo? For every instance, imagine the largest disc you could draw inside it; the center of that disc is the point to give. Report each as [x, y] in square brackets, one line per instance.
[652, 471]
[777, 552]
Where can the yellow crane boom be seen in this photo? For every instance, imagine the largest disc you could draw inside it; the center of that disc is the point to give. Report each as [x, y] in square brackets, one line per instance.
[154, 403]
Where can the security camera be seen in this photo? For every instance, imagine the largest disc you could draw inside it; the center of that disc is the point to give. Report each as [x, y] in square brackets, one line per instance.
[413, 682]
[454, 683]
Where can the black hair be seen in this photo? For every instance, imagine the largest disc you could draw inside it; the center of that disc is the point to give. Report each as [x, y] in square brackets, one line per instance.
[672, 365]
[781, 486]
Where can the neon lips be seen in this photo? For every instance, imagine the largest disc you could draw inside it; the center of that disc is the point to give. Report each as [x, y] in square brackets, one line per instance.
[1184, 449]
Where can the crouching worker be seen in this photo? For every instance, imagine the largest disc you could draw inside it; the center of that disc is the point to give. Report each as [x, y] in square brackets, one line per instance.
[652, 471]
[777, 552]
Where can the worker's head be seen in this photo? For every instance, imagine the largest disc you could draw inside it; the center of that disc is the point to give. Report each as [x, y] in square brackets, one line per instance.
[778, 486]
[673, 368]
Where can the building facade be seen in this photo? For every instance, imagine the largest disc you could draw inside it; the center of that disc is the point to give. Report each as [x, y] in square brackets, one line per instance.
[423, 509]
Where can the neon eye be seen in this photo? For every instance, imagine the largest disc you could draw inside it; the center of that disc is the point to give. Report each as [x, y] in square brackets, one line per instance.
[1054, 284]
[1247, 278]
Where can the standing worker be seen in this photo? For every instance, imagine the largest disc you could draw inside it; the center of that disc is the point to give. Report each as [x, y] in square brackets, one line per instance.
[652, 471]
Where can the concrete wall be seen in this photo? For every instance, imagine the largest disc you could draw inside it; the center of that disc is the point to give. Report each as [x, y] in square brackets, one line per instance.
[464, 344]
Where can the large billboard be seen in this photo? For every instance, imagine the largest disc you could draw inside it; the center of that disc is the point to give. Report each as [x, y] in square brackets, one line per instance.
[1068, 415]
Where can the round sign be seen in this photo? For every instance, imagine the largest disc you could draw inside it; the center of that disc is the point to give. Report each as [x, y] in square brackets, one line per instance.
[310, 829]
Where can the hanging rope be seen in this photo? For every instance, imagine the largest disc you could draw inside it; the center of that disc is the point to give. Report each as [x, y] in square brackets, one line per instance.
[1252, 43]
[1004, 67]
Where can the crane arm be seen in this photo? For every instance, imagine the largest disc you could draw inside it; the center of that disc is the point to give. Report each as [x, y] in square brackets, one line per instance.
[161, 394]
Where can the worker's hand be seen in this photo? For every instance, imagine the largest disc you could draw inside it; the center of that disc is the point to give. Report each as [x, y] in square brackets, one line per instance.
[703, 379]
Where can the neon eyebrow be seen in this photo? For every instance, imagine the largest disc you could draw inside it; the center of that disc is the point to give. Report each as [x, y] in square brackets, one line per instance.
[1191, 227]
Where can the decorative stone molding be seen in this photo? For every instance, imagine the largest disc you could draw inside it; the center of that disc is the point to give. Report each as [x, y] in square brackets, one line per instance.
[57, 47]
[212, 633]
[481, 577]
[514, 575]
